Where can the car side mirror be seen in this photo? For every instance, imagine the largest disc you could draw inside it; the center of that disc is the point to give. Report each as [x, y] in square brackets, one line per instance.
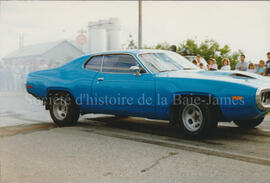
[135, 69]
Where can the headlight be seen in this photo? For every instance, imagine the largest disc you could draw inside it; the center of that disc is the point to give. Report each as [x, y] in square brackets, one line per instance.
[263, 98]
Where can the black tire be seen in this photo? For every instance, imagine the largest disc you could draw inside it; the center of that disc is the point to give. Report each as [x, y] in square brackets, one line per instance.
[208, 122]
[247, 124]
[72, 112]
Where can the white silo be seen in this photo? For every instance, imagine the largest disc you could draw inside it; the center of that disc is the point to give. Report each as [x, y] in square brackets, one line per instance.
[97, 36]
[113, 34]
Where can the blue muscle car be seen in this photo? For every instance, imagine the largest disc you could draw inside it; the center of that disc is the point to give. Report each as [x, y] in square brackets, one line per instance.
[152, 84]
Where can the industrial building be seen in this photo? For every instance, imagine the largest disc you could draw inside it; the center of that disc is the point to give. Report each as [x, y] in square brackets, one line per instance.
[104, 35]
[32, 58]
[52, 53]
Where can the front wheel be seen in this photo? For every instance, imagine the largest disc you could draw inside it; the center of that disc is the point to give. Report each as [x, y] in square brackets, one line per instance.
[197, 120]
[63, 110]
[249, 123]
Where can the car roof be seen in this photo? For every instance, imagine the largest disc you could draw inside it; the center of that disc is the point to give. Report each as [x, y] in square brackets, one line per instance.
[133, 52]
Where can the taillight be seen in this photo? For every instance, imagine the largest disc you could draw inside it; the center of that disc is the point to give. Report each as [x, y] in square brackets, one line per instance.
[28, 86]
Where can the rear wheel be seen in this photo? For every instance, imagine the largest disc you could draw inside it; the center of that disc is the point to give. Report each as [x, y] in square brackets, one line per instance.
[249, 123]
[196, 120]
[63, 110]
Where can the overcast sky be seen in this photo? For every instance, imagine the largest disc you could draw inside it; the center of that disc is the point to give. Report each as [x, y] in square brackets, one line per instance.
[242, 25]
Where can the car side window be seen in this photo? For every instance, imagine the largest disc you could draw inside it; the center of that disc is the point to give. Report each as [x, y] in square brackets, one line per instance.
[94, 63]
[118, 63]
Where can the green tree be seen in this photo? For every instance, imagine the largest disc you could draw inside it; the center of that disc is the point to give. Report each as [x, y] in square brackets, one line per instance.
[163, 46]
[131, 43]
[148, 47]
[211, 49]
[207, 49]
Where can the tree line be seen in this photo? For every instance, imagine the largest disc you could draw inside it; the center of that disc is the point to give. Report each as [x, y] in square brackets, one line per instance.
[207, 49]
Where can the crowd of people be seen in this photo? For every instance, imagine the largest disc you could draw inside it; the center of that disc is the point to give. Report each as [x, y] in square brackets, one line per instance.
[263, 68]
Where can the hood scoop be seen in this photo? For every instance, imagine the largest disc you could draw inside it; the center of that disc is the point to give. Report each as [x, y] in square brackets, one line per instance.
[242, 75]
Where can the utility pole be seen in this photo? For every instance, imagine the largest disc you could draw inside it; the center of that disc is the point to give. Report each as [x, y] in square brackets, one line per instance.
[0, 9]
[21, 40]
[140, 25]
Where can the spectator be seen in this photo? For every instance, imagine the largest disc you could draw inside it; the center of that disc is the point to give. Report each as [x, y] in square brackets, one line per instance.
[225, 65]
[194, 62]
[184, 51]
[198, 57]
[201, 66]
[173, 48]
[251, 68]
[267, 70]
[212, 66]
[242, 65]
[261, 69]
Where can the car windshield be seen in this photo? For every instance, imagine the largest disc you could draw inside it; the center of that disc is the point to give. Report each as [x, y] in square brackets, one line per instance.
[165, 61]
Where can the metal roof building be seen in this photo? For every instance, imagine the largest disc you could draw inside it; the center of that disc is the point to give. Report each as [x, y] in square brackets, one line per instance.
[58, 52]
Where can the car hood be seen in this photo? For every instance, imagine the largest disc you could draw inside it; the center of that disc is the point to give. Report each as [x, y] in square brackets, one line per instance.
[240, 77]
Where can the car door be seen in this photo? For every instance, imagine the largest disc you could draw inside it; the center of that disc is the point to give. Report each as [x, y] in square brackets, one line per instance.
[84, 95]
[119, 91]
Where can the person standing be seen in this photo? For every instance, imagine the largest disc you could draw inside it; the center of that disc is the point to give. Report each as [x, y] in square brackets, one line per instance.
[212, 66]
[201, 66]
[198, 58]
[225, 64]
[267, 70]
[242, 65]
[173, 48]
[251, 68]
[261, 69]
[194, 62]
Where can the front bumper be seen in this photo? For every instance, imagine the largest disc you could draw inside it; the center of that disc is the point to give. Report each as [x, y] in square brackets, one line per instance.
[263, 98]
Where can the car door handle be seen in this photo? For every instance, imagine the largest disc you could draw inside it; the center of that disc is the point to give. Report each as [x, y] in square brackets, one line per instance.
[100, 79]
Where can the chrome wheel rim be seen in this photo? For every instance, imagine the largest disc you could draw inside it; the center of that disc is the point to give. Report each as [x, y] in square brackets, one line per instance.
[192, 117]
[60, 108]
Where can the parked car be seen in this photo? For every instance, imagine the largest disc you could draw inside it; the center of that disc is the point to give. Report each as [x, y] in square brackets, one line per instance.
[191, 58]
[152, 84]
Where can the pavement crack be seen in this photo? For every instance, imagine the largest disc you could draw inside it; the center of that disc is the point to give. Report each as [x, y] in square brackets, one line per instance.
[157, 162]
[107, 174]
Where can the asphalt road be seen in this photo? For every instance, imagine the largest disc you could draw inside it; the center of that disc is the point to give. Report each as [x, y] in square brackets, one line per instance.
[107, 149]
